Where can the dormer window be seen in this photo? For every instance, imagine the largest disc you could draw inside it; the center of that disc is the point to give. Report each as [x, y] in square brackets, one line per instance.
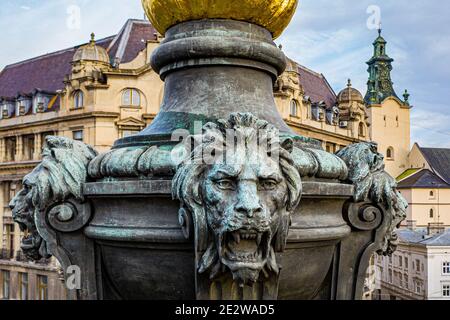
[131, 97]
[7, 110]
[78, 99]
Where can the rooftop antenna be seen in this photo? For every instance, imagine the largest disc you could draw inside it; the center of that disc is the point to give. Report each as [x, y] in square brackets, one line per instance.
[379, 29]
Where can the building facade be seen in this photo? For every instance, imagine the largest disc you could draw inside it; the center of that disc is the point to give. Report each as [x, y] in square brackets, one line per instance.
[418, 270]
[426, 187]
[106, 89]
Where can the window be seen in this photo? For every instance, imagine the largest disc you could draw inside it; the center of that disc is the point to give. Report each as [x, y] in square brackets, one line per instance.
[128, 133]
[390, 153]
[28, 147]
[23, 286]
[131, 97]
[400, 280]
[9, 235]
[418, 288]
[390, 276]
[42, 287]
[406, 282]
[6, 284]
[78, 99]
[431, 213]
[390, 259]
[294, 108]
[446, 290]
[417, 265]
[431, 194]
[446, 267]
[10, 144]
[78, 135]
[406, 262]
[361, 129]
[400, 261]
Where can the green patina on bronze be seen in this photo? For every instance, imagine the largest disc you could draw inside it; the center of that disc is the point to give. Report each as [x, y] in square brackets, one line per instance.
[380, 85]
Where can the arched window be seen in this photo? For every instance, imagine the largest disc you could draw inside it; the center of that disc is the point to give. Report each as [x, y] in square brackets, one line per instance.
[431, 213]
[390, 153]
[361, 129]
[431, 194]
[78, 99]
[294, 108]
[131, 97]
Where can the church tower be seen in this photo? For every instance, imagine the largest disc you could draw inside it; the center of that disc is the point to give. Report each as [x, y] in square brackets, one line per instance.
[389, 115]
[379, 86]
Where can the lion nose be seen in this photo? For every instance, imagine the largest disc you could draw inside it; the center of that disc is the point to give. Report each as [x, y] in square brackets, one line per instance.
[12, 204]
[249, 206]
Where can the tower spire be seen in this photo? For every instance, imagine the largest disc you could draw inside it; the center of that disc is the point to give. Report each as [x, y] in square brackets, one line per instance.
[379, 85]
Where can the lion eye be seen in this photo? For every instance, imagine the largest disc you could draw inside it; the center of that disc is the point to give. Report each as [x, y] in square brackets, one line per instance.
[268, 184]
[226, 184]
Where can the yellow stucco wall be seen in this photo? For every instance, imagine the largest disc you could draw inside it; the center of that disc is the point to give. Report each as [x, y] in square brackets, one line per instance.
[422, 201]
[390, 128]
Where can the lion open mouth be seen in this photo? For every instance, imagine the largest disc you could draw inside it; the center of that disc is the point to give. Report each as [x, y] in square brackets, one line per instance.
[245, 248]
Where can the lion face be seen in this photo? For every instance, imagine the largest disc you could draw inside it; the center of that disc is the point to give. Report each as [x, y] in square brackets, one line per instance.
[22, 208]
[244, 199]
[241, 200]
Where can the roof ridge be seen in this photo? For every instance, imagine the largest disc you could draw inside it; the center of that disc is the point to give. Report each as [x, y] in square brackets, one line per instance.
[412, 174]
[429, 158]
[50, 54]
[308, 69]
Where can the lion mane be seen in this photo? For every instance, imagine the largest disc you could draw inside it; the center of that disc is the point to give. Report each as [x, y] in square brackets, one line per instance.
[58, 177]
[372, 182]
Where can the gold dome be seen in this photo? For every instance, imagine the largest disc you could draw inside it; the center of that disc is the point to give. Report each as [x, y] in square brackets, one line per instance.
[274, 15]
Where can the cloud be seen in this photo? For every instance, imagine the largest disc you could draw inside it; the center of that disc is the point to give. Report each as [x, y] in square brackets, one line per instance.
[330, 37]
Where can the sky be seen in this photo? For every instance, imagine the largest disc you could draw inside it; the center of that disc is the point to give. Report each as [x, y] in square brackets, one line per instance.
[333, 37]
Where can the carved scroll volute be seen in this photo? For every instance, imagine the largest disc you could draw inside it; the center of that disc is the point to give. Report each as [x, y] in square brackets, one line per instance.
[363, 216]
[69, 216]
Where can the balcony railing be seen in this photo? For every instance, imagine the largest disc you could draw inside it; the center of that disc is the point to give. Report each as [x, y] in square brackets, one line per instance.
[21, 257]
[6, 254]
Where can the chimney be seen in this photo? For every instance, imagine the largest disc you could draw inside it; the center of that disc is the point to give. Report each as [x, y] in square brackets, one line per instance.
[411, 224]
[435, 228]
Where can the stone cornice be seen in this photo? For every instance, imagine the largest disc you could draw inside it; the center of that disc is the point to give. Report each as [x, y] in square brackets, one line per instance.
[321, 131]
[58, 119]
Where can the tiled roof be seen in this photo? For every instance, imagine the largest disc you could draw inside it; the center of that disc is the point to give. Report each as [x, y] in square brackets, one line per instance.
[131, 40]
[47, 72]
[439, 161]
[423, 179]
[420, 236]
[316, 86]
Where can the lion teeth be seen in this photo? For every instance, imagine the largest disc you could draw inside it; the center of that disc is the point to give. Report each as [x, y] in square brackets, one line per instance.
[258, 239]
[237, 237]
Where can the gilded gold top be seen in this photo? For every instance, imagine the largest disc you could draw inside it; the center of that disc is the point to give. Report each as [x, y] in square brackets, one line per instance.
[274, 15]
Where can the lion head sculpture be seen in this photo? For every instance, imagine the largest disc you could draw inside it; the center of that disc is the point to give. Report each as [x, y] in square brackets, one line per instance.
[366, 172]
[58, 177]
[240, 185]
